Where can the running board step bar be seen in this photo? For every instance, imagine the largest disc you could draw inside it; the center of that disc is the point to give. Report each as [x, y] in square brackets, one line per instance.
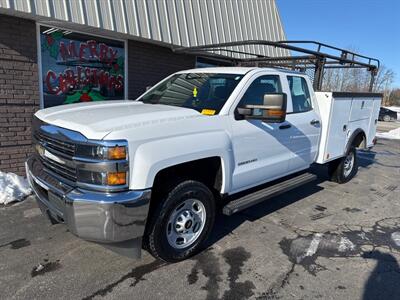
[269, 192]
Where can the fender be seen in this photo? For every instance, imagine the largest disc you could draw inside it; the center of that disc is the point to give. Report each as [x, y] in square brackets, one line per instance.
[353, 137]
[154, 156]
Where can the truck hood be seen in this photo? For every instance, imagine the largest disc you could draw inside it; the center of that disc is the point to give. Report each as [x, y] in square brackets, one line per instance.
[97, 119]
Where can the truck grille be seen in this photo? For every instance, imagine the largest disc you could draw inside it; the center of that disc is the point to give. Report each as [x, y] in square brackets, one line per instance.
[60, 169]
[62, 149]
[58, 145]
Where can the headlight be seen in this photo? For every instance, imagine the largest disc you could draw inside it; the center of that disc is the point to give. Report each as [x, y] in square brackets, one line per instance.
[102, 164]
[91, 177]
[102, 152]
[102, 178]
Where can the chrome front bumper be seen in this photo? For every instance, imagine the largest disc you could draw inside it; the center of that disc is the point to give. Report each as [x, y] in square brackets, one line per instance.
[94, 216]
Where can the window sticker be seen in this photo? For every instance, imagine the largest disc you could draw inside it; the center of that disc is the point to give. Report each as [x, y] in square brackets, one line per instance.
[208, 112]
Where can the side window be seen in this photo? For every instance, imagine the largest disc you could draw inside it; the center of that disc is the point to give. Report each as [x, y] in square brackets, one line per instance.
[301, 99]
[267, 84]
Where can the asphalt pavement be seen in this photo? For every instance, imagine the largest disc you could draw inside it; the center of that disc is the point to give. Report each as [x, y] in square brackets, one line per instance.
[387, 126]
[320, 241]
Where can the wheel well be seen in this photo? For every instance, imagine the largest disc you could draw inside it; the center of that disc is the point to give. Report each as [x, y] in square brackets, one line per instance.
[206, 170]
[360, 140]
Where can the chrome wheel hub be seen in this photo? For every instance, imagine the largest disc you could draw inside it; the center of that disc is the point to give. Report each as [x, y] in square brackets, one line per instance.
[186, 223]
[348, 164]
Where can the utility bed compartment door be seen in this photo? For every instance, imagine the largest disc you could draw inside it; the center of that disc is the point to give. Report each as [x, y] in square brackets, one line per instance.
[337, 128]
[361, 109]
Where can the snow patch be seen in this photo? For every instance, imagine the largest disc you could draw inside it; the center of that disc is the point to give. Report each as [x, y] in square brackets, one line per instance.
[393, 134]
[396, 238]
[394, 108]
[345, 244]
[13, 188]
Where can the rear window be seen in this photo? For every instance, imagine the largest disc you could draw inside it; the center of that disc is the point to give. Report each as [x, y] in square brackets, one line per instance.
[301, 99]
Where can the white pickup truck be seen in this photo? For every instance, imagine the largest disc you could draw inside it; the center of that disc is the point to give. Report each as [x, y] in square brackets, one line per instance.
[155, 169]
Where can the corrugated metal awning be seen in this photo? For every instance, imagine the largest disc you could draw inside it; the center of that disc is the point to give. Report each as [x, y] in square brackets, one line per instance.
[179, 22]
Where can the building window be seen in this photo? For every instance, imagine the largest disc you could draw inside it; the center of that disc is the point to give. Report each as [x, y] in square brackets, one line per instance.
[77, 67]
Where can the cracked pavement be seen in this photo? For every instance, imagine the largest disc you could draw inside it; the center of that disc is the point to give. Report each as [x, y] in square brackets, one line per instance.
[322, 240]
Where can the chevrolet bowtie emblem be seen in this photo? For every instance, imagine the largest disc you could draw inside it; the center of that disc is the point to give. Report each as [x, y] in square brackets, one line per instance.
[40, 149]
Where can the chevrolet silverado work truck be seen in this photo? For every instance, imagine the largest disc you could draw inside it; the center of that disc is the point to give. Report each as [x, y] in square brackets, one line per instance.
[152, 172]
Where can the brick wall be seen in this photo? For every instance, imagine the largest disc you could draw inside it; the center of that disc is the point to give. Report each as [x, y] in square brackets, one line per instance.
[148, 64]
[19, 91]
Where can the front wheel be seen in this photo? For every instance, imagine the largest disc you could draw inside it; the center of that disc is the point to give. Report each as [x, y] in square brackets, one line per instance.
[182, 222]
[386, 118]
[345, 168]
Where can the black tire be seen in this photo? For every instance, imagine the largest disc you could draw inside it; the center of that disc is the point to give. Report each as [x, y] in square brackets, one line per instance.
[337, 168]
[387, 118]
[156, 233]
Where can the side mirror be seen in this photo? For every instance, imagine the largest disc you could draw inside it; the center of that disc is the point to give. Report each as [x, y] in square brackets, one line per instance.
[272, 111]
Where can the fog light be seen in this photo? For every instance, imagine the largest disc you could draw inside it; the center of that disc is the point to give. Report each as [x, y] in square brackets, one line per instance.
[117, 152]
[116, 178]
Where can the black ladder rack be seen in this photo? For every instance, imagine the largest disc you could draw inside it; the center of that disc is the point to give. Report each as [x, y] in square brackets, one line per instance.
[317, 56]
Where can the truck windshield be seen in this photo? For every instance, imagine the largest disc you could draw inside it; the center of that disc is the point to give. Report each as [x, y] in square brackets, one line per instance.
[204, 92]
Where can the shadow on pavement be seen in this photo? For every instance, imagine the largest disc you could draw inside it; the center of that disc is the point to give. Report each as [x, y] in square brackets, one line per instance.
[384, 281]
[224, 225]
[366, 158]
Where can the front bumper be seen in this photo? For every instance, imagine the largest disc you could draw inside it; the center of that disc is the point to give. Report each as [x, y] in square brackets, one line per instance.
[94, 216]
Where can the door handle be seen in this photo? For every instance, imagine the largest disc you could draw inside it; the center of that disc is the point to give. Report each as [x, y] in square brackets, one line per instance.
[285, 126]
[314, 122]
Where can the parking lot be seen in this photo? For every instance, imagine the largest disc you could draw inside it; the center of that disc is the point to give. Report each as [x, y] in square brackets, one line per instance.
[322, 240]
[387, 126]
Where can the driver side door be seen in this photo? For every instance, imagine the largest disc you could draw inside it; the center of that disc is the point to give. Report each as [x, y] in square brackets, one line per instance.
[260, 149]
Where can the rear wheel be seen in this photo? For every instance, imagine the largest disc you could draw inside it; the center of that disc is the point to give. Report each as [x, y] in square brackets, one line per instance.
[386, 118]
[345, 168]
[182, 222]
